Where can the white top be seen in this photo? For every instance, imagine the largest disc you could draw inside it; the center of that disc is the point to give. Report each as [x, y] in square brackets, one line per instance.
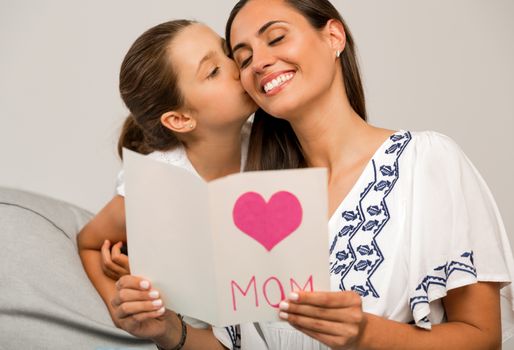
[418, 222]
[178, 157]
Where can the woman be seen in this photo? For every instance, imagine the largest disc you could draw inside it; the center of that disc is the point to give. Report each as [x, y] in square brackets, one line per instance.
[416, 241]
[415, 234]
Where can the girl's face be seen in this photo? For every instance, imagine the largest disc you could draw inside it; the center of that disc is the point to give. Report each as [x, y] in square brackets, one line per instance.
[286, 65]
[209, 79]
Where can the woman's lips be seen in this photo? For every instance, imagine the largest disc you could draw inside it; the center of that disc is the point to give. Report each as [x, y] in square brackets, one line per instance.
[275, 82]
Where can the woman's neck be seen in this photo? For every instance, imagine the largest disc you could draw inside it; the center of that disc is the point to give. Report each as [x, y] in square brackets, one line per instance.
[216, 154]
[330, 132]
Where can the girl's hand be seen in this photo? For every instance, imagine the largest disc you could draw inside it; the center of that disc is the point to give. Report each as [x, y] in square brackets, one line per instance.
[115, 264]
[334, 318]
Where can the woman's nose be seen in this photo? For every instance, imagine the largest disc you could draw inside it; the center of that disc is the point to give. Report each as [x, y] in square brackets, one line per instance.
[261, 59]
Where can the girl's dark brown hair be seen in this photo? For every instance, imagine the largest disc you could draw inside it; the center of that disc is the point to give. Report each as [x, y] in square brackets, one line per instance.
[273, 143]
[148, 86]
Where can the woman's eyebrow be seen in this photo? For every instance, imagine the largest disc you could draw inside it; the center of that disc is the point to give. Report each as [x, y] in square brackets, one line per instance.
[259, 32]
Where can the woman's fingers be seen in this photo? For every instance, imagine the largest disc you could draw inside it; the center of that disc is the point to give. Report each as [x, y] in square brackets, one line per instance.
[126, 295]
[314, 324]
[135, 298]
[347, 314]
[342, 329]
[142, 316]
[326, 299]
[132, 308]
[139, 309]
[133, 289]
[333, 318]
[133, 282]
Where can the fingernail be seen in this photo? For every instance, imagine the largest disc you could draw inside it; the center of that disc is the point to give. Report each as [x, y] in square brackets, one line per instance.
[153, 294]
[144, 284]
[284, 305]
[157, 302]
[161, 310]
[293, 296]
[283, 315]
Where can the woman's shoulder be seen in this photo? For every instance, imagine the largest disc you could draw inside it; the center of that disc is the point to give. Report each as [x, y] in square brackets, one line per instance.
[434, 146]
[431, 139]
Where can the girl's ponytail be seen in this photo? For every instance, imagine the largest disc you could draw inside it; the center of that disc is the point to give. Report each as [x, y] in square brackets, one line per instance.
[132, 137]
[149, 88]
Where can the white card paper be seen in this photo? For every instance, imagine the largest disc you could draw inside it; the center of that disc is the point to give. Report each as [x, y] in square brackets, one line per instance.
[227, 251]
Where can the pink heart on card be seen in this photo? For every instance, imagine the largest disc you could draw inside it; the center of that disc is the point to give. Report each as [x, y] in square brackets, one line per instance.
[267, 223]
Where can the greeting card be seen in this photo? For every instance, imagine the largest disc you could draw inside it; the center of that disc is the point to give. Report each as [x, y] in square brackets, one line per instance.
[227, 251]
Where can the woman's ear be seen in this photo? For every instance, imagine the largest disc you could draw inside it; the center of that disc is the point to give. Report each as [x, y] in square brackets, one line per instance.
[336, 35]
[178, 122]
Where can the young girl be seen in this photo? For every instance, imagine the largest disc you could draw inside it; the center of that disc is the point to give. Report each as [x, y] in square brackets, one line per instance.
[187, 109]
[418, 252]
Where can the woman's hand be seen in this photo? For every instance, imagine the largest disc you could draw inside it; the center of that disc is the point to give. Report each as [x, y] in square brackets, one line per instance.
[139, 310]
[334, 318]
[115, 264]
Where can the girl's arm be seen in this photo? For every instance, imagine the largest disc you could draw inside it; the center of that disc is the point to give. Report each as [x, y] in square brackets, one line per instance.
[139, 310]
[108, 224]
[336, 319]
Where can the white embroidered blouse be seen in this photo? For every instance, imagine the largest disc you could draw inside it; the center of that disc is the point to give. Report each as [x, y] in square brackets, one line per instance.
[418, 222]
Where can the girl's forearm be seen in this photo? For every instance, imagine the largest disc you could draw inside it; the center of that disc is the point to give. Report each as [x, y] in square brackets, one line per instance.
[91, 260]
[108, 224]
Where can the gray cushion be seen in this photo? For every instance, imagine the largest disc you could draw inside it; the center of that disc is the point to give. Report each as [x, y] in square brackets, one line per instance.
[46, 299]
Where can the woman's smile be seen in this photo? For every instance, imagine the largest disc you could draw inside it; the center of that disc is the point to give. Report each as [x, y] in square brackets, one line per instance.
[274, 83]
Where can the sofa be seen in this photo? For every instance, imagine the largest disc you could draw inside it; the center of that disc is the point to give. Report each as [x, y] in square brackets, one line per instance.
[46, 298]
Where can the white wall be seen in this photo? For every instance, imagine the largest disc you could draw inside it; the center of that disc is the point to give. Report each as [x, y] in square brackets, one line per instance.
[442, 65]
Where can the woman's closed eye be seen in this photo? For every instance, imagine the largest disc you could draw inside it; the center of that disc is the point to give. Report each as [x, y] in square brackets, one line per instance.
[245, 62]
[276, 40]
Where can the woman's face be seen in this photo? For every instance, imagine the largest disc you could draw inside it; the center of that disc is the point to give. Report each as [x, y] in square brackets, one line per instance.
[286, 65]
[208, 78]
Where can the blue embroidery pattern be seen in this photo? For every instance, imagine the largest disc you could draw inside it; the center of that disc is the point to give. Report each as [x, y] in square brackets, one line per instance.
[354, 253]
[234, 332]
[440, 277]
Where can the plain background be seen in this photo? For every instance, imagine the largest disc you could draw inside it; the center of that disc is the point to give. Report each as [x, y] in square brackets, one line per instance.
[438, 64]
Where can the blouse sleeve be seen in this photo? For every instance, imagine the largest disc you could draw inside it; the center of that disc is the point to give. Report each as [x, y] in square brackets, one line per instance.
[457, 234]
[241, 336]
[229, 336]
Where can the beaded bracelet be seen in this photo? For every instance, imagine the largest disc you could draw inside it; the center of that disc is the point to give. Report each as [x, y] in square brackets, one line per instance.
[182, 336]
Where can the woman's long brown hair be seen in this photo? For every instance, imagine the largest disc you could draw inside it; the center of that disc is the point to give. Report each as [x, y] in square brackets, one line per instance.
[273, 143]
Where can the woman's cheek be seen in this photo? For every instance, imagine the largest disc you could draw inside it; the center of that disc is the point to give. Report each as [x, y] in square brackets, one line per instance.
[248, 85]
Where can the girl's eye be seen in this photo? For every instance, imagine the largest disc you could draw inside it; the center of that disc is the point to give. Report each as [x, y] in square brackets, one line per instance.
[276, 40]
[214, 72]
